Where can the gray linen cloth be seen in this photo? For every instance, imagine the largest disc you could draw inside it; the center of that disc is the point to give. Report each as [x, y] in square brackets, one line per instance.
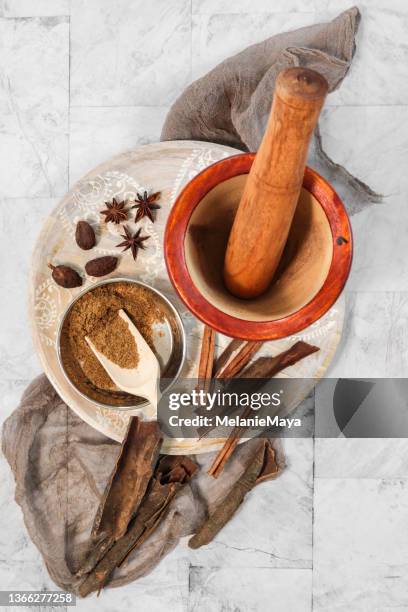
[60, 464]
[231, 104]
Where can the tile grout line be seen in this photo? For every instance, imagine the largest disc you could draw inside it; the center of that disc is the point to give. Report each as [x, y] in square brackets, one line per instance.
[375, 478]
[327, 106]
[191, 41]
[118, 106]
[313, 503]
[69, 100]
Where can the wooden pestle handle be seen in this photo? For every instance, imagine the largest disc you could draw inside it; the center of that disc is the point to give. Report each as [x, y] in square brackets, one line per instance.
[268, 203]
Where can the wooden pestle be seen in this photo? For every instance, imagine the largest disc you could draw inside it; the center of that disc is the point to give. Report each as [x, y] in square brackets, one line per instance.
[268, 203]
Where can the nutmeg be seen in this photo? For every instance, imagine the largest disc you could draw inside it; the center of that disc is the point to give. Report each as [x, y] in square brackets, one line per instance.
[85, 236]
[101, 266]
[65, 276]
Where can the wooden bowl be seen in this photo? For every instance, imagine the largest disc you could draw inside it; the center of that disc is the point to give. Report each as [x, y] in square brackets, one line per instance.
[314, 267]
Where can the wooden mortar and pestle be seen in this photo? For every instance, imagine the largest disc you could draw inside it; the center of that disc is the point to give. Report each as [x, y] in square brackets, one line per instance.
[259, 246]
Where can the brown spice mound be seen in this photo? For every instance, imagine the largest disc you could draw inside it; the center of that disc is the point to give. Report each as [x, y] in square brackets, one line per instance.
[114, 340]
[103, 303]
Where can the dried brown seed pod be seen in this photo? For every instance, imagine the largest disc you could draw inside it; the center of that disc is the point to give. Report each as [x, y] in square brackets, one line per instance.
[65, 276]
[85, 235]
[101, 266]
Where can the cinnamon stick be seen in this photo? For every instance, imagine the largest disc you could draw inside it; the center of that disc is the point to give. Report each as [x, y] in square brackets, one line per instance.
[239, 361]
[125, 489]
[227, 353]
[260, 467]
[263, 367]
[171, 474]
[229, 446]
[206, 364]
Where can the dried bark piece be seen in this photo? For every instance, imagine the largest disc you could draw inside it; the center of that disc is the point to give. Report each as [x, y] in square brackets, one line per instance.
[225, 509]
[227, 353]
[263, 367]
[125, 489]
[98, 549]
[234, 357]
[176, 472]
[129, 479]
[270, 467]
[239, 361]
[266, 367]
[171, 474]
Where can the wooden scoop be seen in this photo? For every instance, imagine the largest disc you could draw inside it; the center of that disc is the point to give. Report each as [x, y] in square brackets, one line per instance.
[142, 380]
[265, 213]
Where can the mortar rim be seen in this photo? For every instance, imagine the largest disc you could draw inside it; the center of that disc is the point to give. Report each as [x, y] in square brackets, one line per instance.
[174, 239]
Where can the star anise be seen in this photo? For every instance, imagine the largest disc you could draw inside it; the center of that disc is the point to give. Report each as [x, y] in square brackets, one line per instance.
[115, 211]
[146, 205]
[132, 241]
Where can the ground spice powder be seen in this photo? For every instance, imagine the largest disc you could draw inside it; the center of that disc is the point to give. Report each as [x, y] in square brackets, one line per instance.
[87, 316]
[114, 340]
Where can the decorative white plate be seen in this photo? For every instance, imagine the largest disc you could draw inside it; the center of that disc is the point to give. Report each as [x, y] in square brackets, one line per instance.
[164, 167]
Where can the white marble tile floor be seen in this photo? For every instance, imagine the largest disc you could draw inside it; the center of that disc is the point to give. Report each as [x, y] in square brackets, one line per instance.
[82, 80]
